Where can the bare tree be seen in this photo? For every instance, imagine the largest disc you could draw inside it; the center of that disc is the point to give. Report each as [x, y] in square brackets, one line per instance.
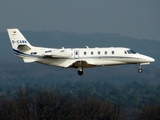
[7, 109]
[25, 105]
[149, 113]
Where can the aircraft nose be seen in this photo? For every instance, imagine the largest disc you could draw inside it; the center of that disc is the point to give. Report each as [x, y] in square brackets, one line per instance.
[150, 59]
[147, 59]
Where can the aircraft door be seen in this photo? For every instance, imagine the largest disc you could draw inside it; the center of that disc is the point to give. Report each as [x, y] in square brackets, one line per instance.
[76, 54]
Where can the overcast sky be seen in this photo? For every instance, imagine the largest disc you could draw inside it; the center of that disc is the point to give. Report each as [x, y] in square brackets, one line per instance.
[134, 18]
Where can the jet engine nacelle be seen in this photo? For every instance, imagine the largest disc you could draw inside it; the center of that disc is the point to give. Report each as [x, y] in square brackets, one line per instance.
[62, 53]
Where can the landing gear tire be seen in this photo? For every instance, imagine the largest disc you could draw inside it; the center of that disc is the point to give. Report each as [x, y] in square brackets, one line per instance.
[140, 70]
[80, 68]
[80, 72]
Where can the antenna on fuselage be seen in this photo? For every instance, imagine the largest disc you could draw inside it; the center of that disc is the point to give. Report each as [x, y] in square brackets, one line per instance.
[87, 47]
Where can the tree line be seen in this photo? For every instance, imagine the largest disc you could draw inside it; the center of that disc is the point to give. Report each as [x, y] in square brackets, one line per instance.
[51, 105]
[46, 104]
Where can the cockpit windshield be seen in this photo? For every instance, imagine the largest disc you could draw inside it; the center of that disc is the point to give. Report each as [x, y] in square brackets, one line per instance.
[131, 52]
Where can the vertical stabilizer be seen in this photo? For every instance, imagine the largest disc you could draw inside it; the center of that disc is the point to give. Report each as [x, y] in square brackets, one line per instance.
[18, 41]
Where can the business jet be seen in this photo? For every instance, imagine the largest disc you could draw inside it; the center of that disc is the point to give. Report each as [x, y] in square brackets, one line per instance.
[78, 58]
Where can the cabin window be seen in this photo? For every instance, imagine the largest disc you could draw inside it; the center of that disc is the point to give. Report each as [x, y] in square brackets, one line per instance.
[99, 52]
[91, 53]
[112, 52]
[105, 52]
[85, 53]
[125, 52]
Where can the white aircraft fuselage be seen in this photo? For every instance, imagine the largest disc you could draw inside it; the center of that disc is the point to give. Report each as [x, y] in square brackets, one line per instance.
[79, 58]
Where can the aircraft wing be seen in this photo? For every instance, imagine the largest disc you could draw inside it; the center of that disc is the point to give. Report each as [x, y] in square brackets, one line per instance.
[73, 63]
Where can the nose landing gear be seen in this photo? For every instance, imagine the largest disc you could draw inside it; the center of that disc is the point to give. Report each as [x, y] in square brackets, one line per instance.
[140, 70]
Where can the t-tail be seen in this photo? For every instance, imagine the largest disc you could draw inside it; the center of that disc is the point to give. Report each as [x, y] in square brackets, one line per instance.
[18, 41]
[20, 45]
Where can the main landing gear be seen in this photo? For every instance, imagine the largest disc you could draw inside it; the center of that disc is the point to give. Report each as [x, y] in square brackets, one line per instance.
[80, 68]
[80, 72]
[140, 70]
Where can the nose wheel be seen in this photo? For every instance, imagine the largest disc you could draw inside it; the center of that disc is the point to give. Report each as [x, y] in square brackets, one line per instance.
[140, 70]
